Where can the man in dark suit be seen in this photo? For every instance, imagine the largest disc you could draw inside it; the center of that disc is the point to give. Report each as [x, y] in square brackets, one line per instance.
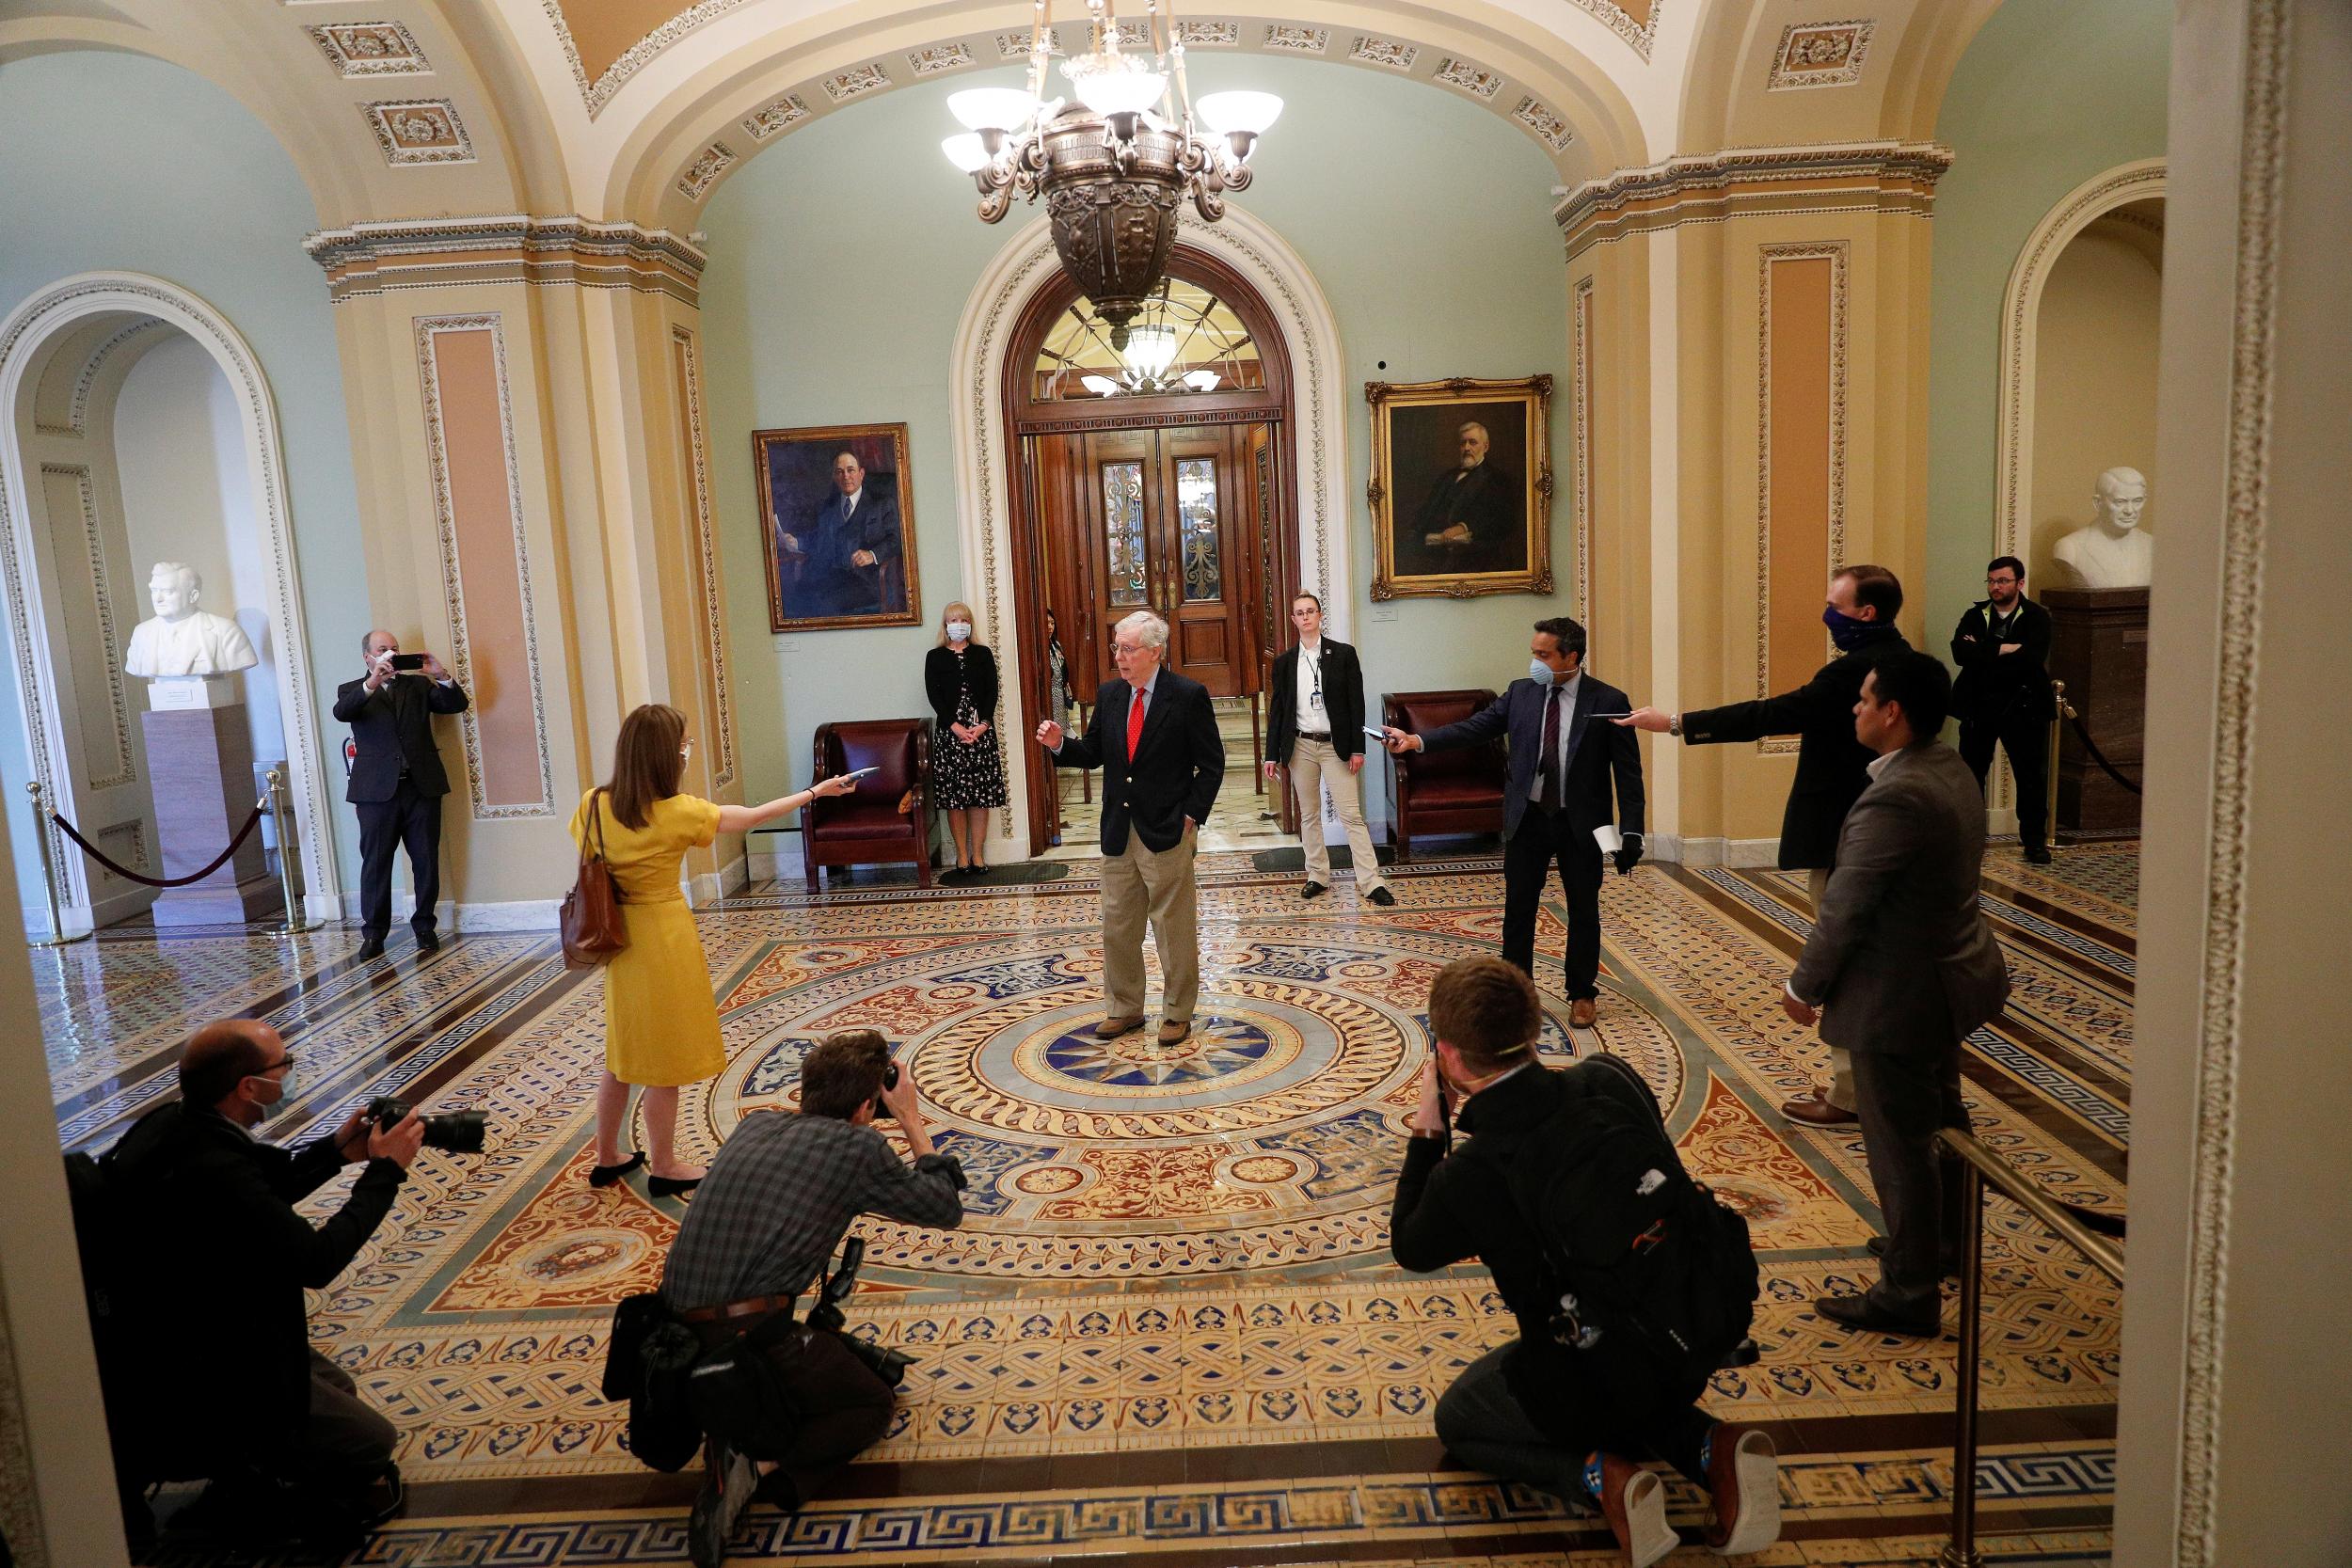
[1832, 769]
[397, 782]
[216, 1263]
[1901, 967]
[1315, 728]
[2003, 694]
[1154, 734]
[1469, 521]
[1561, 767]
[848, 550]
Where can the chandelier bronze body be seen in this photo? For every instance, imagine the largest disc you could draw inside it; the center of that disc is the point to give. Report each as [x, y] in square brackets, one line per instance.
[1112, 172]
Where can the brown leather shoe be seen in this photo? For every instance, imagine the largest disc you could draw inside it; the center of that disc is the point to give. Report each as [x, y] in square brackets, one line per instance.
[1815, 1110]
[1743, 1477]
[1111, 1028]
[1173, 1032]
[1581, 1013]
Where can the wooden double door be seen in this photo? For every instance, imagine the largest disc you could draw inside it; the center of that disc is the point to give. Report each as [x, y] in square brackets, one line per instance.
[1169, 520]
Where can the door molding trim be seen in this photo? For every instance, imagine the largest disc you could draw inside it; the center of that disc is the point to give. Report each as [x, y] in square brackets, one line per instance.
[985, 457]
[24, 337]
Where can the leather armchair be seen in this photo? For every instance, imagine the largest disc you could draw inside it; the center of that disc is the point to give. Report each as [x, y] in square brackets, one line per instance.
[867, 828]
[1458, 791]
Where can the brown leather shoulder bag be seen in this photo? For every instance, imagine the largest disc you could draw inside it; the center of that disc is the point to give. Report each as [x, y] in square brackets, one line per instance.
[593, 927]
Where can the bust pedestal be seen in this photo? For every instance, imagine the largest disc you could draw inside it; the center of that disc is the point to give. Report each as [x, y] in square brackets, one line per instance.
[2099, 648]
[202, 762]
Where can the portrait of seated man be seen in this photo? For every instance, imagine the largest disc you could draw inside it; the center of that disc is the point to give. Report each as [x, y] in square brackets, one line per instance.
[837, 550]
[1471, 513]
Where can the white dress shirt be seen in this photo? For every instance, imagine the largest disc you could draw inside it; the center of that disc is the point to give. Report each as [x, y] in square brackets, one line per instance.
[1314, 722]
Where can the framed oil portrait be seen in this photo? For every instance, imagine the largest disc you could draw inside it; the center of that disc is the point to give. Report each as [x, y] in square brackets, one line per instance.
[1461, 487]
[836, 508]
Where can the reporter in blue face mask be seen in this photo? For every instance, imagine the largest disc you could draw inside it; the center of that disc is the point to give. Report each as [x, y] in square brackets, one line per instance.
[1562, 766]
[207, 1267]
[1833, 768]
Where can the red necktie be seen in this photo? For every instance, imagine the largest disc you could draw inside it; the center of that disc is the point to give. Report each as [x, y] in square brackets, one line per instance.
[1135, 721]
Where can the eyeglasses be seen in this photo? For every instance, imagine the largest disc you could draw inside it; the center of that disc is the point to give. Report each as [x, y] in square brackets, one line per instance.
[287, 1060]
[686, 752]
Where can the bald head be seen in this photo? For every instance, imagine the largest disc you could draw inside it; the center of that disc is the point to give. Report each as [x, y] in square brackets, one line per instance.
[220, 1056]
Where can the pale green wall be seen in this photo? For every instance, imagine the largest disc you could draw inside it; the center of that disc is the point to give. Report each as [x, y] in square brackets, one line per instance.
[114, 162]
[2048, 94]
[841, 258]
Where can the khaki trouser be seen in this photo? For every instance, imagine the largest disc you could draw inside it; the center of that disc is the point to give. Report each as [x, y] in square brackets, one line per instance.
[1139, 884]
[1840, 1065]
[1313, 763]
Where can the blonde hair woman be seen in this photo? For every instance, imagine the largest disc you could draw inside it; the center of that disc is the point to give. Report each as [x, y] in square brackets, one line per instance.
[661, 1020]
[967, 767]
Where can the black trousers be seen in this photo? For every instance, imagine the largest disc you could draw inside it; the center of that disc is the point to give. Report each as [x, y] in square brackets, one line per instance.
[845, 1407]
[1904, 1098]
[408, 819]
[1542, 842]
[1483, 1424]
[2027, 742]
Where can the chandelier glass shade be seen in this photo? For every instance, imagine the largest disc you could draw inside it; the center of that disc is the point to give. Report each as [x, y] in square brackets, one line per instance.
[1115, 165]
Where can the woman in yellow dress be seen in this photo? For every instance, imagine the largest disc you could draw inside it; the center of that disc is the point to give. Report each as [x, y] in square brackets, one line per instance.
[661, 1020]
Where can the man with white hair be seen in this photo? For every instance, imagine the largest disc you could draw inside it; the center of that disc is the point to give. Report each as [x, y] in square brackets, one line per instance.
[1154, 734]
[1470, 519]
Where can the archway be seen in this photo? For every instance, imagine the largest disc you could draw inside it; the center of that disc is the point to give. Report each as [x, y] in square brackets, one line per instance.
[1310, 464]
[67, 645]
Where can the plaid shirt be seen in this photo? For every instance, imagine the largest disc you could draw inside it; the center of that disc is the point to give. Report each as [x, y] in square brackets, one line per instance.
[780, 1196]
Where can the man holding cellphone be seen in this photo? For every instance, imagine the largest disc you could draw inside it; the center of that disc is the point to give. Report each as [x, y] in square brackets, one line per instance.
[397, 781]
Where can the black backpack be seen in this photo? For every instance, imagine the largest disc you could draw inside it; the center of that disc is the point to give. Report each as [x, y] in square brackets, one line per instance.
[1639, 1255]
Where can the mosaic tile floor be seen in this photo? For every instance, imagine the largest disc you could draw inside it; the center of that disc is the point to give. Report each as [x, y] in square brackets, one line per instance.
[1168, 1329]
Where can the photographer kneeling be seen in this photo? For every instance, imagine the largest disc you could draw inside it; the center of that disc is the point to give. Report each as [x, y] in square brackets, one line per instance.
[779, 1199]
[1630, 1282]
[212, 1261]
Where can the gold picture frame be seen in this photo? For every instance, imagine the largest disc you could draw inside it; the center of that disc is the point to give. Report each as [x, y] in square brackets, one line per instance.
[1463, 528]
[817, 580]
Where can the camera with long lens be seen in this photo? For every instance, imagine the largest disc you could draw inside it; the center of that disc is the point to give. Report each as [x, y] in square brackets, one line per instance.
[883, 1362]
[451, 1131]
[882, 1107]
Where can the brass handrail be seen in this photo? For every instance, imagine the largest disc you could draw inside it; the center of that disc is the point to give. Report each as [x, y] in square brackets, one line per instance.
[1981, 1165]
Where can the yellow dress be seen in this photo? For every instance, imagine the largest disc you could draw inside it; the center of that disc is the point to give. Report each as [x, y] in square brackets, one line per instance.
[660, 1022]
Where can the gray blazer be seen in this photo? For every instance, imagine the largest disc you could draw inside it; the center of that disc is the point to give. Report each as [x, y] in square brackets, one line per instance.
[1900, 957]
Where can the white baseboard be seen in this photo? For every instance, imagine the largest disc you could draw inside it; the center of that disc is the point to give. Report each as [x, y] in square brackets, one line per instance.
[523, 914]
[710, 886]
[2000, 820]
[774, 865]
[1742, 854]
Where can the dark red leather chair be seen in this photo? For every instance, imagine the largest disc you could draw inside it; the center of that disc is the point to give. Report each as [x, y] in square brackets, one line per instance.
[1458, 791]
[867, 828]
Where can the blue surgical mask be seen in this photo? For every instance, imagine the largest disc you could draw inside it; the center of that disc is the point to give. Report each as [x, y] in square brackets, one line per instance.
[1844, 629]
[1539, 671]
[959, 630]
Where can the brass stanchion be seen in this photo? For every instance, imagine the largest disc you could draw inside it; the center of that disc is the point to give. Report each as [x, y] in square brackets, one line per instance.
[1961, 1550]
[57, 937]
[2059, 714]
[289, 883]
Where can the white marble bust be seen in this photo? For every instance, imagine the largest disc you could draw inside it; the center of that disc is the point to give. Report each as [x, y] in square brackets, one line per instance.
[182, 639]
[2111, 552]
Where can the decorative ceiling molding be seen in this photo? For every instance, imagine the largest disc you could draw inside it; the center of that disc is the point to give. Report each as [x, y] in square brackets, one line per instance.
[1297, 41]
[418, 131]
[1385, 53]
[856, 82]
[775, 119]
[1548, 127]
[597, 94]
[370, 259]
[1209, 34]
[1640, 31]
[1472, 79]
[1882, 177]
[1015, 46]
[712, 162]
[1819, 55]
[371, 49]
[939, 57]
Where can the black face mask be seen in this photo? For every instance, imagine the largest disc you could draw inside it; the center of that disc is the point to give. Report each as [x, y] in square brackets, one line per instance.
[1844, 630]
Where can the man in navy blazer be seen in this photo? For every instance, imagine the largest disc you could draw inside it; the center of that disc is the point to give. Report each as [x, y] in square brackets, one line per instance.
[397, 781]
[1559, 793]
[849, 548]
[1161, 769]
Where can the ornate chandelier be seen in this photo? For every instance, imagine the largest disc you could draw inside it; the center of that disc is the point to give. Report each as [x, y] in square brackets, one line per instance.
[1112, 166]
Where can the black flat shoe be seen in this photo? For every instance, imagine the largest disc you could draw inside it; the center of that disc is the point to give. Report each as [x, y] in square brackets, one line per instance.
[1382, 896]
[1862, 1313]
[604, 1175]
[666, 1186]
[1313, 889]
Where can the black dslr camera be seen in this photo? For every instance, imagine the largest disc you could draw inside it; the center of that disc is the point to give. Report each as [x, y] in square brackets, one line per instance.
[452, 1133]
[881, 1109]
[883, 1362]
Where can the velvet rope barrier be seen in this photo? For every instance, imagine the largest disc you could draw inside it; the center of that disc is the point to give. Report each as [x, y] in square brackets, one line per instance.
[2097, 755]
[94, 852]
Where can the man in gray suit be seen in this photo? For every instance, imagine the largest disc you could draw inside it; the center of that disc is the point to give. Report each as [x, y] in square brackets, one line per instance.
[1900, 969]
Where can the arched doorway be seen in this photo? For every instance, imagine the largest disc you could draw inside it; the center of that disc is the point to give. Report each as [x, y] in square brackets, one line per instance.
[1153, 472]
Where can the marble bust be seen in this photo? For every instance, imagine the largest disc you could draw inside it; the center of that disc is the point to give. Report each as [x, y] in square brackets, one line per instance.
[2111, 552]
[182, 639]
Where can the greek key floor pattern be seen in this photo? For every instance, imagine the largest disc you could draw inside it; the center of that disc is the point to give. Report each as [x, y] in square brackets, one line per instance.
[1168, 1328]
